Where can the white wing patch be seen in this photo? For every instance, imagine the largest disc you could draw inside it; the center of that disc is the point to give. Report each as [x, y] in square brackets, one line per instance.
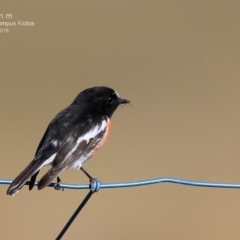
[55, 143]
[87, 137]
[48, 161]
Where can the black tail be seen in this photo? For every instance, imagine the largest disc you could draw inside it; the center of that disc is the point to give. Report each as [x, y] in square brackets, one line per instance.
[21, 179]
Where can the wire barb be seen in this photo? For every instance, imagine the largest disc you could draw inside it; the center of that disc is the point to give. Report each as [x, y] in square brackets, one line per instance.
[95, 184]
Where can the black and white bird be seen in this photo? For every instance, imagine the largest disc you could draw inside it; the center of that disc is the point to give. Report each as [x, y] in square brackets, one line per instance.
[72, 137]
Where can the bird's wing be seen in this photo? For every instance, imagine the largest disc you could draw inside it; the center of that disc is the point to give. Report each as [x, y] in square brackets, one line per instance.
[75, 150]
[53, 138]
[32, 170]
[45, 150]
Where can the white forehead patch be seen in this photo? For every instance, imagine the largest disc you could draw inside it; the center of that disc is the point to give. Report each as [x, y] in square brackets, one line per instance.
[117, 94]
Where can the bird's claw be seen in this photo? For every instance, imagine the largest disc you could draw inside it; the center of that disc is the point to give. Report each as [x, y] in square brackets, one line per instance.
[58, 187]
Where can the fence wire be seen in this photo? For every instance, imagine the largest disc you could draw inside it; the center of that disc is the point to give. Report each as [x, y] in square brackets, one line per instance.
[139, 183]
[96, 185]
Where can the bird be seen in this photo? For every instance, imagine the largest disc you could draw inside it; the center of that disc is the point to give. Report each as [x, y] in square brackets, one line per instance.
[73, 136]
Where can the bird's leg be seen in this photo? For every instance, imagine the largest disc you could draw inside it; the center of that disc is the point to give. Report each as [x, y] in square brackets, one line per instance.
[94, 182]
[87, 174]
[57, 185]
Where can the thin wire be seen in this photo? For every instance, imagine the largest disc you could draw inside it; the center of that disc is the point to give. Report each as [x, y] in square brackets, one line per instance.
[96, 185]
[140, 183]
[72, 218]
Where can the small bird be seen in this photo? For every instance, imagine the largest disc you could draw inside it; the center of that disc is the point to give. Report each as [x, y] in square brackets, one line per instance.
[72, 137]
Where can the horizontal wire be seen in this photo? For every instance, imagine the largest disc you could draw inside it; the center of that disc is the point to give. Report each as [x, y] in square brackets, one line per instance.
[140, 183]
[96, 185]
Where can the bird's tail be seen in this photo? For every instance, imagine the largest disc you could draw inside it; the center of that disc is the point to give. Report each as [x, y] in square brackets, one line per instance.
[49, 177]
[21, 179]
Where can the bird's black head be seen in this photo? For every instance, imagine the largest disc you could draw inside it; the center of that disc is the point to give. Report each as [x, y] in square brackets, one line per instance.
[101, 100]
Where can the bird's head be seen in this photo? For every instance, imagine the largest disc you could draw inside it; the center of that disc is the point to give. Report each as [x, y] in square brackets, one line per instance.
[102, 100]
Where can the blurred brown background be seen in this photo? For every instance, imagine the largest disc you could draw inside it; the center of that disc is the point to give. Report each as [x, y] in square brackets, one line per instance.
[178, 63]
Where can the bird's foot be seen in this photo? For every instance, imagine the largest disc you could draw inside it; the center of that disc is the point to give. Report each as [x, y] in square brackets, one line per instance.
[57, 185]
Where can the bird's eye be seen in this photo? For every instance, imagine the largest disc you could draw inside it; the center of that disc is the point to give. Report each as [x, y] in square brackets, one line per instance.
[110, 100]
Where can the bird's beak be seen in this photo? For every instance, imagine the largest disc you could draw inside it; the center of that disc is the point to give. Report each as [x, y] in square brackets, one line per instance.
[123, 101]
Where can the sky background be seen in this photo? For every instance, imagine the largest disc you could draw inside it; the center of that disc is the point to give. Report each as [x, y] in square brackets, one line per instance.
[178, 63]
